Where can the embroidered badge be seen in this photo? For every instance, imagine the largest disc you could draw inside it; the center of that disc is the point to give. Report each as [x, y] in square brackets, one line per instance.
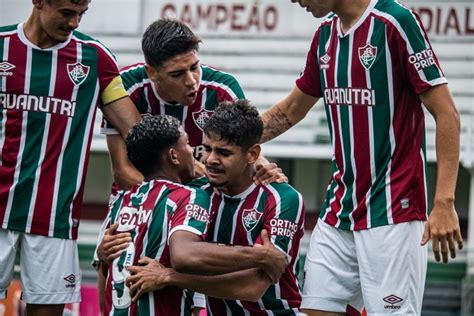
[250, 218]
[367, 55]
[201, 117]
[77, 73]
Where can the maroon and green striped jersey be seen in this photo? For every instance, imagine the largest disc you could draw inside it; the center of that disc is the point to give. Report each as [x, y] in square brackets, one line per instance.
[238, 221]
[370, 78]
[151, 212]
[48, 100]
[215, 86]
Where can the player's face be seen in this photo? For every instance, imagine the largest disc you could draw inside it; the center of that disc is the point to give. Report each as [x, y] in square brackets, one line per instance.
[227, 166]
[185, 156]
[58, 19]
[318, 8]
[177, 81]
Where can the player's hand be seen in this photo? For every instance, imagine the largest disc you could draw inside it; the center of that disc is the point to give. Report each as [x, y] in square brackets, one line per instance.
[199, 169]
[148, 276]
[266, 172]
[274, 261]
[112, 244]
[443, 229]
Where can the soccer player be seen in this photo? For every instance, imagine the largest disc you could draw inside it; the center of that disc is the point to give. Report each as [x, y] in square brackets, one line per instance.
[240, 211]
[53, 78]
[159, 211]
[374, 66]
[172, 81]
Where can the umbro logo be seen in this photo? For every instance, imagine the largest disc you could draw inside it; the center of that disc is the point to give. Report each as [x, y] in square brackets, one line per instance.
[70, 280]
[5, 66]
[324, 61]
[392, 300]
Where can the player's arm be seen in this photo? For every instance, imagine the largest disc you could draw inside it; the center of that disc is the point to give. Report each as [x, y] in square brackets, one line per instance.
[189, 254]
[125, 174]
[443, 224]
[286, 113]
[248, 285]
[122, 114]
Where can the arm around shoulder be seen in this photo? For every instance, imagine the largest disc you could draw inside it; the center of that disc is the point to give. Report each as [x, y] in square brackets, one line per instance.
[125, 174]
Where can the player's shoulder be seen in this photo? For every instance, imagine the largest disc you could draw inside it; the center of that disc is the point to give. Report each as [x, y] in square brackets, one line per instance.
[88, 40]
[6, 30]
[284, 191]
[201, 183]
[396, 11]
[135, 72]
[211, 74]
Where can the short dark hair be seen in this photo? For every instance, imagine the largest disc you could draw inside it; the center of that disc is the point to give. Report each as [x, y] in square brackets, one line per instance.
[167, 38]
[149, 139]
[72, 1]
[237, 122]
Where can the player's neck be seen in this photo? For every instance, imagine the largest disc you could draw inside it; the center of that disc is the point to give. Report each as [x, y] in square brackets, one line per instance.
[237, 187]
[35, 34]
[163, 175]
[349, 12]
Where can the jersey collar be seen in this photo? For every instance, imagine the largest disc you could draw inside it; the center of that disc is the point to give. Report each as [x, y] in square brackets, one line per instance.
[27, 42]
[358, 23]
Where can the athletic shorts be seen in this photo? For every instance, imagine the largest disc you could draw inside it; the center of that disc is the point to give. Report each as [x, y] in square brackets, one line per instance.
[49, 267]
[382, 269]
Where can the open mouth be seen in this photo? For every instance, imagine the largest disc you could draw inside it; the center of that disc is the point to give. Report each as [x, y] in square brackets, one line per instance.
[213, 171]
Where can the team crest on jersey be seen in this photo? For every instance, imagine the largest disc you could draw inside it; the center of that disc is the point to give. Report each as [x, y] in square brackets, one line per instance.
[367, 55]
[250, 218]
[77, 73]
[201, 117]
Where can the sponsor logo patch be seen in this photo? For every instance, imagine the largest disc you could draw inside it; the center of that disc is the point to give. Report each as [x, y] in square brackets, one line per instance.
[5, 66]
[250, 218]
[131, 217]
[392, 300]
[324, 61]
[70, 280]
[77, 73]
[422, 60]
[367, 55]
[201, 117]
[197, 213]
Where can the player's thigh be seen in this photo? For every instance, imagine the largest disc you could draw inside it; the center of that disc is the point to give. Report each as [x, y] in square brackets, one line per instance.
[8, 248]
[331, 271]
[392, 268]
[50, 270]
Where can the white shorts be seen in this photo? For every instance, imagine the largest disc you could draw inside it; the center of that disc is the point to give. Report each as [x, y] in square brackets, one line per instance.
[382, 269]
[49, 267]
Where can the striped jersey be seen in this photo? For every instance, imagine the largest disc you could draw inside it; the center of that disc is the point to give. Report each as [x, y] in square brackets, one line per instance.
[48, 100]
[215, 86]
[370, 78]
[238, 221]
[151, 212]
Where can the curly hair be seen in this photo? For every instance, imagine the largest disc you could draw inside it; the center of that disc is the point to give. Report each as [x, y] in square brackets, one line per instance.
[237, 122]
[165, 39]
[149, 139]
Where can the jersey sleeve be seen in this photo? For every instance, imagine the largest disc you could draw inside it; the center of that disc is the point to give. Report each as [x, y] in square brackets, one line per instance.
[191, 212]
[284, 218]
[417, 56]
[132, 79]
[309, 80]
[110, 82]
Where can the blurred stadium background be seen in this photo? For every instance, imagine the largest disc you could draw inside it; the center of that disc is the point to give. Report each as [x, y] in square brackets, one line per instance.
[264, 44]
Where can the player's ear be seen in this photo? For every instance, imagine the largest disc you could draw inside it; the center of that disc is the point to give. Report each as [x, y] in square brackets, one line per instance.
[151, 72]
[38, 4]
[173, 156]
[253, 153]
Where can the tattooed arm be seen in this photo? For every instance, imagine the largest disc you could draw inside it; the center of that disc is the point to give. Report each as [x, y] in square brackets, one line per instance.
[286, 113]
